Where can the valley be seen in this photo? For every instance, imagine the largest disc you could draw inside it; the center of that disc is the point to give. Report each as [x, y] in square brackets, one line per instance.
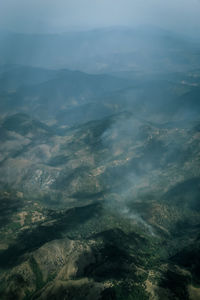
[99, 173]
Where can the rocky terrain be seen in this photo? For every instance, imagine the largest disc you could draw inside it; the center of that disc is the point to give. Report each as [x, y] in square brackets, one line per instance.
[99, 184]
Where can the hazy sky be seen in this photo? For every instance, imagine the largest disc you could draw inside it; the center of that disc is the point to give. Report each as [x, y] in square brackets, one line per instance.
[62, 15]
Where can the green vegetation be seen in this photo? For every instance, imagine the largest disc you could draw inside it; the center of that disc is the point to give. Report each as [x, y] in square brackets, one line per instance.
[99, 193]
[38, 274]
[125, 292]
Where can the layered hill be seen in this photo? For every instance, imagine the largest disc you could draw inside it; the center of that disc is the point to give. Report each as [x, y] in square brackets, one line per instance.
[112, 205]
[99, 173]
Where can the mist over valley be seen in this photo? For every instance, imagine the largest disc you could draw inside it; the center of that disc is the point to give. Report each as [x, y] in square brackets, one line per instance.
[99, 164]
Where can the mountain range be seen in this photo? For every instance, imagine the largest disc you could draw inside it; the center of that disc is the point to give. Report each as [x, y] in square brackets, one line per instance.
[99, 168]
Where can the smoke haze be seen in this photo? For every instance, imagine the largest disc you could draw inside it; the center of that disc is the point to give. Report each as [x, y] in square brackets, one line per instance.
[50, 16]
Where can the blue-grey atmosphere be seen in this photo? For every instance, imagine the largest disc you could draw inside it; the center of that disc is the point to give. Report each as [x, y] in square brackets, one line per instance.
[63, 15]
[99, 150]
